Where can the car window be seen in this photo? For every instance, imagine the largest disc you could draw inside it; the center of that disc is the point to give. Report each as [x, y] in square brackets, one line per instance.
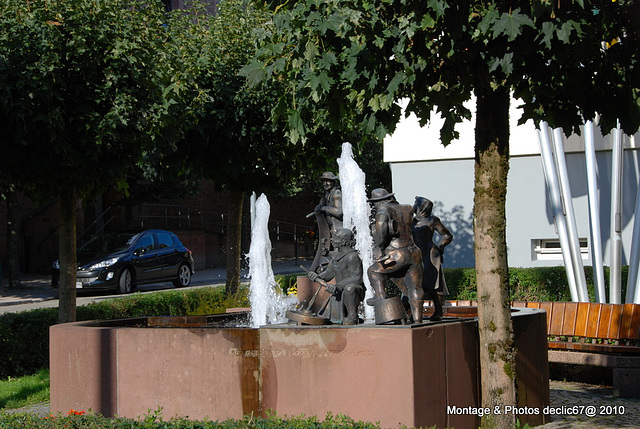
[110, 242]
[164, 240]
[146, 243]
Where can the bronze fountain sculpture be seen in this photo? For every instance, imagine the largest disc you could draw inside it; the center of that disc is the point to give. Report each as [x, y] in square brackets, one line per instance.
[404, 253]
[433, 282]
[328, 214]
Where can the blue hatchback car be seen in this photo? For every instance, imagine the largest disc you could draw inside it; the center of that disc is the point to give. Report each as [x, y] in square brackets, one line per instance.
[122, 260]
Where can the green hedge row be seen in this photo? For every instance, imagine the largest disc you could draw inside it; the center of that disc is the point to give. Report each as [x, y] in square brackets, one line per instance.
[527, 284]
[80, 420]
[24, 336]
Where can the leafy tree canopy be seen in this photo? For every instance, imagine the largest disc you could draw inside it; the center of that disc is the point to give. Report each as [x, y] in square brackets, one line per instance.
[235, 141]
[566, 60]
[82, 91]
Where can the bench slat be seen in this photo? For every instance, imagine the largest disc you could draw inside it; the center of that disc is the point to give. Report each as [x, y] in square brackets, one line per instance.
[618, 322]
[625, 324]
[570, 318]
[547, 306]
[582, 315]
[557, 318]
[633, 332]
[605, 321]
[593, 320]
[615, 324]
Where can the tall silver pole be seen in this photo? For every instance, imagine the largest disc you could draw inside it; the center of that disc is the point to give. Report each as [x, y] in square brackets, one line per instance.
[572, 228]
[633, 291]
[553, 187]
[615, 282]
[594, 212]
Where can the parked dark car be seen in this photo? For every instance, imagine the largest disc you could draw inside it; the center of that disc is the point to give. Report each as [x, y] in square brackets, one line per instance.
[122, 260]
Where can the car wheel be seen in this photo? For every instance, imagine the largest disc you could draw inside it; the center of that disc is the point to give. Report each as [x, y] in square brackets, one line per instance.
[184, 276]
[125, 282]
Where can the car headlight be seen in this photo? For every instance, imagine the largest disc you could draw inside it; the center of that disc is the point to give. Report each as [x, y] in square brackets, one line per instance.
[104, 264]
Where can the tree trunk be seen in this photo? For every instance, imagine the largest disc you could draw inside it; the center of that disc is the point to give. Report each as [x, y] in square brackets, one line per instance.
[13, 230]
[497, 352]
[234, 241]
[68, 262]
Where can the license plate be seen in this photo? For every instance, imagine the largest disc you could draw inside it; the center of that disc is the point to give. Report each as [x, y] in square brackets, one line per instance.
[78, 285]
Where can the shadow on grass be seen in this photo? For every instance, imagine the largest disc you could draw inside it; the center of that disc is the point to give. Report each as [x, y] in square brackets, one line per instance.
[27, 390]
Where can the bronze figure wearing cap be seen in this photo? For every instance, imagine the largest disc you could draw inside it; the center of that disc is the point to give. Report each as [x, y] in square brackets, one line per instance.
[396, 255]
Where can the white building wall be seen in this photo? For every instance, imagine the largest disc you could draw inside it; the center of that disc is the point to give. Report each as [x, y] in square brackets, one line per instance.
[420, 165]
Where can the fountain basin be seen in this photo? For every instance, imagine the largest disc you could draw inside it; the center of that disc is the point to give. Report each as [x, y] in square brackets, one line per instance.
[195, 367]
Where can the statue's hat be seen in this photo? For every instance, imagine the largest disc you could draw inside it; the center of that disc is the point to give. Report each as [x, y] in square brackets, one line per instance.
[380, 194]
[327, 175]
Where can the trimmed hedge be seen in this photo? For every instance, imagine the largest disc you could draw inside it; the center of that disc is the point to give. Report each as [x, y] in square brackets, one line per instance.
[81, 420]
[24, 341]
[24, 336]
[527, 284]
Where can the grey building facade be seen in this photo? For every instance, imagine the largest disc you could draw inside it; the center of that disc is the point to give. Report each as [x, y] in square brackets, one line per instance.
[422, 167]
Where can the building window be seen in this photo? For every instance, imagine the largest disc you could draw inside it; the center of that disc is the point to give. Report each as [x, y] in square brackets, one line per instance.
[549, 249]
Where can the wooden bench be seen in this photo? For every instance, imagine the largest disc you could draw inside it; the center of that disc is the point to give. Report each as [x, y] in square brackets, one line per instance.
[605, 335]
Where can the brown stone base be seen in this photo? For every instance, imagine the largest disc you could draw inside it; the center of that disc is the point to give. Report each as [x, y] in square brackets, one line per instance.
[417, 375]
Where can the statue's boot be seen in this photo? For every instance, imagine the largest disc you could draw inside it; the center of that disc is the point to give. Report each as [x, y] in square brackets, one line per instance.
[377, 284]
[437, 303]
[350, 320]
[417, 308]
[351, 305]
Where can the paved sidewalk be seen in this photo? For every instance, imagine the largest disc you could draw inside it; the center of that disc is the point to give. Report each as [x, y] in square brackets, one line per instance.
[37, 288]
[609, 413]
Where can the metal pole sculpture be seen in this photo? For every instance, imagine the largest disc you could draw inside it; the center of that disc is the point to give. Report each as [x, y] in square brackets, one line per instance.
[572, 229]
[633, 291]
[556, 202]
[597, 259]
[615, 282]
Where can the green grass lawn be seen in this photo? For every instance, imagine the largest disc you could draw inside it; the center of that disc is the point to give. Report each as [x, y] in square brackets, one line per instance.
[22, 391]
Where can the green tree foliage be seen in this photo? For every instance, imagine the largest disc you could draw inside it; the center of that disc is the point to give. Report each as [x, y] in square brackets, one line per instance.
[567, 61]
[84, 89]
[233, 141]
[79, 89]
[364, 56]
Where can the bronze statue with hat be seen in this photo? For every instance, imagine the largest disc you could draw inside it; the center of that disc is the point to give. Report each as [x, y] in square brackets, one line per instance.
[346, 268]
[396, 257]
[328, 214]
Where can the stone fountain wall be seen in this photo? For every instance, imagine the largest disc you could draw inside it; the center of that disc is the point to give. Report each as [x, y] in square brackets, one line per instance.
[396, 375]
